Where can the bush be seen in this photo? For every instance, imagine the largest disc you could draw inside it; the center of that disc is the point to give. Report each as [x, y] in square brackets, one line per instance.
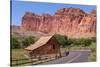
[93, 47]
[93, 39]
[14, 43]
[82, 41]
[93, 51]
[76, 41]
[86, 42]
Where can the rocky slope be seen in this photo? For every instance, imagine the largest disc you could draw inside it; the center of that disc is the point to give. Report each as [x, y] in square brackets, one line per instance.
[16, 31]
[72, 22]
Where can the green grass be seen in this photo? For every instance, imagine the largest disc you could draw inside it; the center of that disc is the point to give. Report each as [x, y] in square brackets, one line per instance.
[18, 57]
[18, 54]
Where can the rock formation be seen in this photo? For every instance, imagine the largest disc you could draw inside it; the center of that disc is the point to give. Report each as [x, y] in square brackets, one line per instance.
[72, 22]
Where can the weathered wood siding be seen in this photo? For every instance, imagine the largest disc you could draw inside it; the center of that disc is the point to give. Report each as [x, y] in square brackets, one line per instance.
[51, 47]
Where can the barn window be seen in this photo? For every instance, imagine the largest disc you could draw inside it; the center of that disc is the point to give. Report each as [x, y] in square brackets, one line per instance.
[53, 46]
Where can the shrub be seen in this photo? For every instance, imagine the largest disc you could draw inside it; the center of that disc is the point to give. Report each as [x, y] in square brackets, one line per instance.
[93, 39]
[76, 41]
[93, 47]
[86, 42]
[82, 41]
[93, 51]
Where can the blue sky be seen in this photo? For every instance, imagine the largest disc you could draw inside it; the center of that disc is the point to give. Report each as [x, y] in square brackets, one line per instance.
[20, 7]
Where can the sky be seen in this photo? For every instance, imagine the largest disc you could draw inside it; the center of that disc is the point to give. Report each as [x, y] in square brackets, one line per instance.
[18, 9]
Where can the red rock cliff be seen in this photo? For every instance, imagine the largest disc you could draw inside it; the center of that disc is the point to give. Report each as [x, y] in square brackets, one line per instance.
[72, 22]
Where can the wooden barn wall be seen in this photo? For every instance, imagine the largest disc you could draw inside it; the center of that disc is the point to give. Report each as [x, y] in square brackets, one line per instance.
[48, 48]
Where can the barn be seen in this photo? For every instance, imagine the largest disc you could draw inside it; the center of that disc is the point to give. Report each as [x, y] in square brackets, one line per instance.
[45, 46]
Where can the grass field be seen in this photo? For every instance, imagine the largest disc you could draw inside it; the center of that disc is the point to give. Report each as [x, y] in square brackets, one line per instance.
[19, 58]
[18, 54]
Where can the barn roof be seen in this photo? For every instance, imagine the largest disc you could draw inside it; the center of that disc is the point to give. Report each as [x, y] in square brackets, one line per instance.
[42, 41]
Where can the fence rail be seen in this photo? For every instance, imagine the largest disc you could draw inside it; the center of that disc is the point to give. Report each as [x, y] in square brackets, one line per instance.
[27, 61]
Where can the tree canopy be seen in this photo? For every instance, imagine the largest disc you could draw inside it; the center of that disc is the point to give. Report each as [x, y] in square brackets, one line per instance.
[22, 42]
[63, 40]
[28, 40]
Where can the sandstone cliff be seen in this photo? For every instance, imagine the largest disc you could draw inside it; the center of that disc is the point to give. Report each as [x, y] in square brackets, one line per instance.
[72, 22]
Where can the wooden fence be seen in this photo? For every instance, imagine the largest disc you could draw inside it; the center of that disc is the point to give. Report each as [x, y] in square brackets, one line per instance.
[30, 61]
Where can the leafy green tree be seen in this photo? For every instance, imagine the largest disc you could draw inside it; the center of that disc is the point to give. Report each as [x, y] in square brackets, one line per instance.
[14, 43]
[61, 39]
[28, 40]
[64, 41]
[69, 43]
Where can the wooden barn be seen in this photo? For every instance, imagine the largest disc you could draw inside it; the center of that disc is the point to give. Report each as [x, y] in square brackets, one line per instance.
[45, 46]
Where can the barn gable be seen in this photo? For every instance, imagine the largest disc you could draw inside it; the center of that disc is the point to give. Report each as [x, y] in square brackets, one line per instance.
[42, 41]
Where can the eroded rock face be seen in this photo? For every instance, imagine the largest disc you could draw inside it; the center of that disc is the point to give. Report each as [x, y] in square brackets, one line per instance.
[72, 22]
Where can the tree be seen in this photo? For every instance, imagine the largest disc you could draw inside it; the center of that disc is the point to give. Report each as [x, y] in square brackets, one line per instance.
[61, 39]
[28, 40]
[69, 43]
[64, 41]
[14, 43]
